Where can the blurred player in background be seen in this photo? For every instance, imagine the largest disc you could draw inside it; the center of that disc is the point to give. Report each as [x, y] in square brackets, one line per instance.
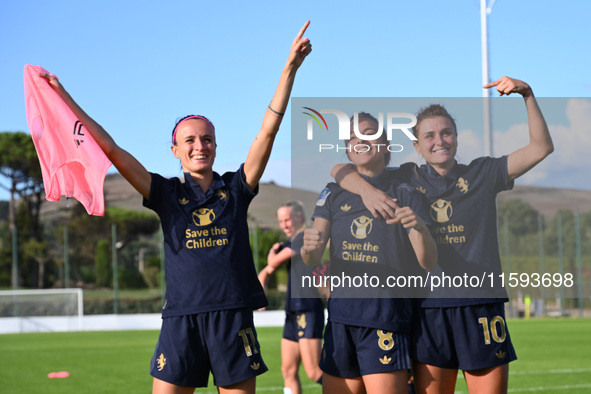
[304, 316]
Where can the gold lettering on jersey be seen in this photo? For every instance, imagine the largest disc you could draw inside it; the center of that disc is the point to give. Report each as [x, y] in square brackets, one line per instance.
[462, 184]
[359, 251]
[441, 211]
[206, 243]
[206, 238]
[450, 234]
[361, 227]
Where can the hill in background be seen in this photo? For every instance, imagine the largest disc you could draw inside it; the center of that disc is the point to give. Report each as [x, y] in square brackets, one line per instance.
[119, 193]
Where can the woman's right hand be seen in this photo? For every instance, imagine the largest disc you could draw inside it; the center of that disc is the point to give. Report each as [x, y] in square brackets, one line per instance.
[381, 205]
[52, 80]
[311, 240]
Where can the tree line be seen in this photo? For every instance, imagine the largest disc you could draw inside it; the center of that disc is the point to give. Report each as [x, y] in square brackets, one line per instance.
[524, 235]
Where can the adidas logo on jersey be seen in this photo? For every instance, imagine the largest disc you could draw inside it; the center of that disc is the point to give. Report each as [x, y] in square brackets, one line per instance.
[500, 354]
[255, 366]
[385, 360]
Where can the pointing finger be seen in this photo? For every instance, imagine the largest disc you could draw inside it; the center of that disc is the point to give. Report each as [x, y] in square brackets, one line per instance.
[302, 30]
[492, 84]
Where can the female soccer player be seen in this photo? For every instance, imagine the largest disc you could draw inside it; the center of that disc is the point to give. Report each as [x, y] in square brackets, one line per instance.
[304, 316]
[455, 332]
[212, 286]
[366, 341]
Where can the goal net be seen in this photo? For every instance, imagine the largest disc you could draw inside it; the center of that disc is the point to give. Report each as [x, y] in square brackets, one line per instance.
[43, 310]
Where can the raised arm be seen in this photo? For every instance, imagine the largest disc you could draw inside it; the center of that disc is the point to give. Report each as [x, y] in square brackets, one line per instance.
[315, 240]
[260, 150]
[128, 166]
[376, 201]
[540, 143]
[278, 255]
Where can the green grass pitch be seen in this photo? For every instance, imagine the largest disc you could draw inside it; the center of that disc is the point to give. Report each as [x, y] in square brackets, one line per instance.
[554, 356]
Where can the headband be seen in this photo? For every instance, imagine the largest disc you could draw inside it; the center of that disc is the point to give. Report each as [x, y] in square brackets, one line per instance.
[187, 118]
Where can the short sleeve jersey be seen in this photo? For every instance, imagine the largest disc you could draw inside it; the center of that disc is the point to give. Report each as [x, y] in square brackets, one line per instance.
[464, 216]
[360, 245]
[209, 263]
[300, 298]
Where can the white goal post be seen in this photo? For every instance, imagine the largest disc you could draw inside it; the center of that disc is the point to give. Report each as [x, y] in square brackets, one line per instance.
[43, 309]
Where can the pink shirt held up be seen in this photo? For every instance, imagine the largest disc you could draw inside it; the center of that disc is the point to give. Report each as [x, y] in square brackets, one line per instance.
[72, 164]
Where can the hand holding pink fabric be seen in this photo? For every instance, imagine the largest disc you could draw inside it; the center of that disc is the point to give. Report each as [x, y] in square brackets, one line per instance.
[72, 164]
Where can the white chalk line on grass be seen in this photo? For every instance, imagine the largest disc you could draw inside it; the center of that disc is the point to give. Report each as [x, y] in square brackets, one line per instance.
[543, 371]
[514, 390]
[544, 388]
[274, 388]
[552, 388]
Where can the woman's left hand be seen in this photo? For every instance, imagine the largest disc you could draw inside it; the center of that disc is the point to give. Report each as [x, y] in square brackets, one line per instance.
[301, 47]
[506, 85]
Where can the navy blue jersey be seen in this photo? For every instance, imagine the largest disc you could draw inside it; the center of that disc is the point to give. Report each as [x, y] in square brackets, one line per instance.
[209, 263]
[300, 298]
[464, 216]
[359, 245]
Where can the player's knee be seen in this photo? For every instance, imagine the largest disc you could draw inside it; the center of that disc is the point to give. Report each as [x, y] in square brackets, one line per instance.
[289, 371]
[314, 373]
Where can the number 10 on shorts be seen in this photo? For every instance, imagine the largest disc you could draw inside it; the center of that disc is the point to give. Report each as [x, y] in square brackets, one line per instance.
[496, 329]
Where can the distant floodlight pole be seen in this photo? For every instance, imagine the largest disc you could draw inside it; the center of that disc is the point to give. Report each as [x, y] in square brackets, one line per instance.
[484, 12]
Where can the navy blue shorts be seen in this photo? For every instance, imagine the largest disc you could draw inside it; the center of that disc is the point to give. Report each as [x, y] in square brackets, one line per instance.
[351, 351]
[223, 342]
[465, 337]
[308, 324]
